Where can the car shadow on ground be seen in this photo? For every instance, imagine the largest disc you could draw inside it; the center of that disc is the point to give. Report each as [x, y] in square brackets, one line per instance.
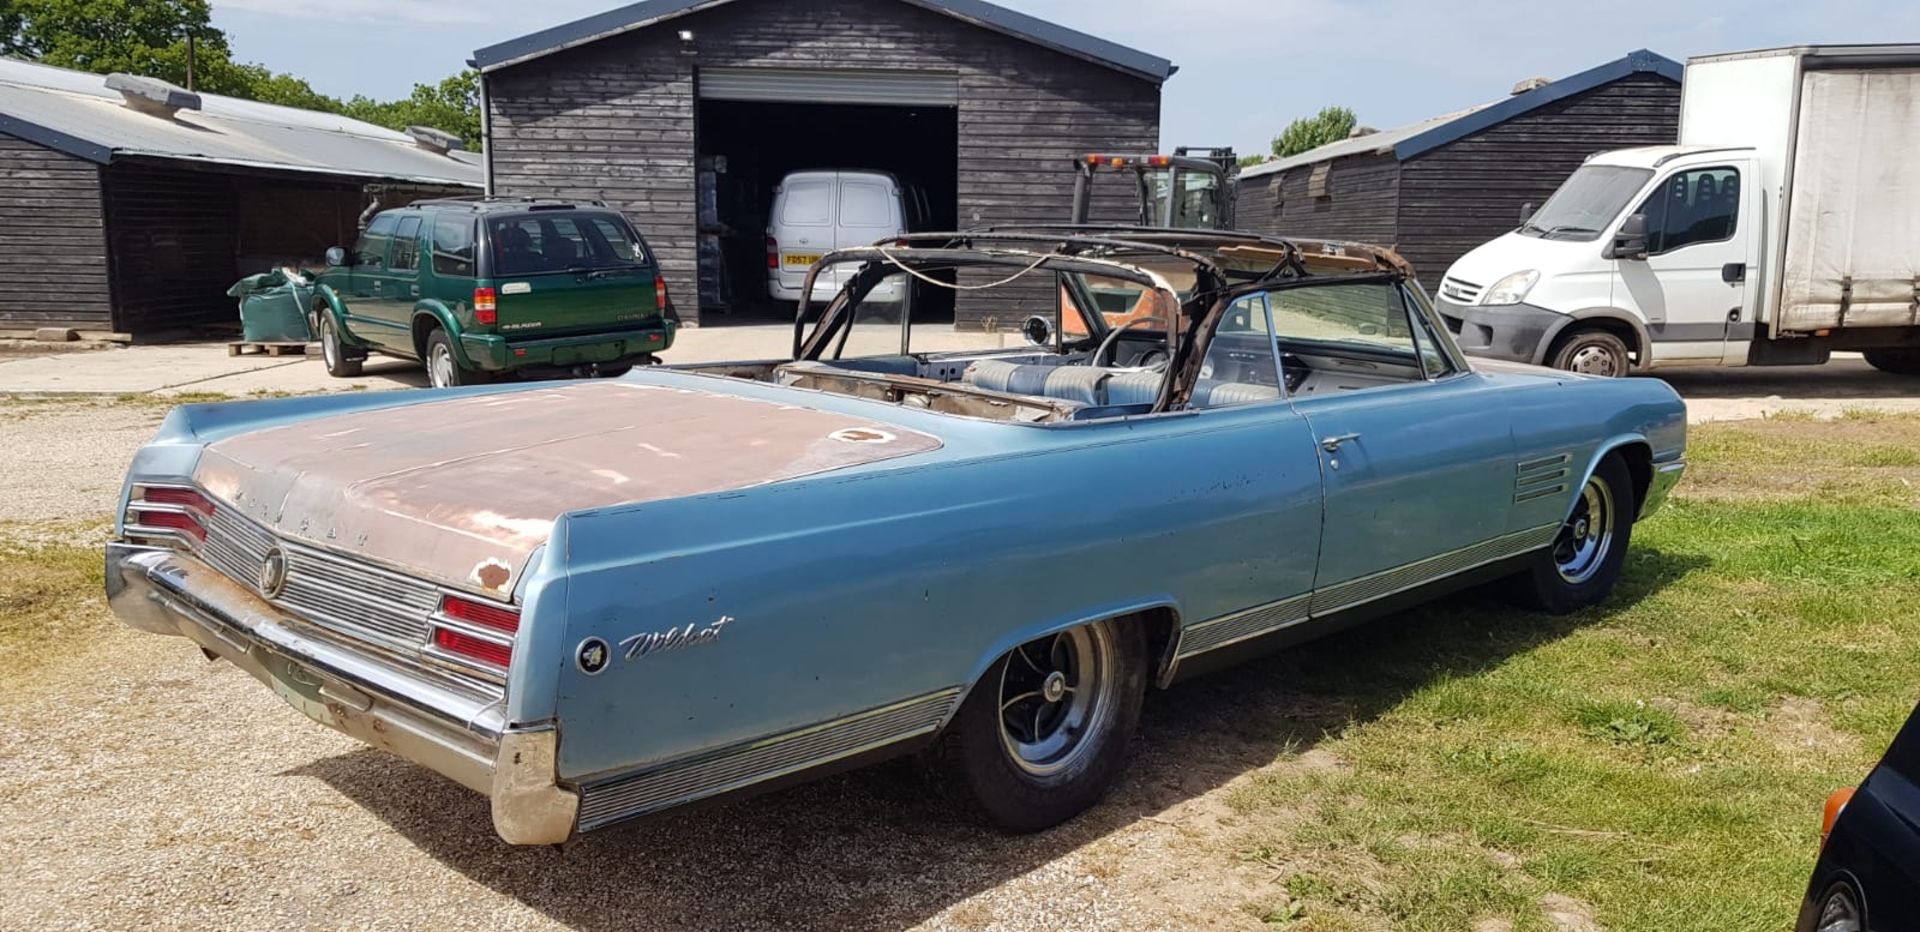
[1841, 378]
[884, 847]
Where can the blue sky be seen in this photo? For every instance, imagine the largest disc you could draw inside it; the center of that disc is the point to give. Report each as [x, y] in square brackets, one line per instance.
[1247, 67]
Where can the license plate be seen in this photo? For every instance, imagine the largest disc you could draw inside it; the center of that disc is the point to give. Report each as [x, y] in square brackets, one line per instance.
[800, 258]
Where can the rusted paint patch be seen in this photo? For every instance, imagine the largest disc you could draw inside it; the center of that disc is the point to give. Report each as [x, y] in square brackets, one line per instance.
[492, 574]
[862, 435]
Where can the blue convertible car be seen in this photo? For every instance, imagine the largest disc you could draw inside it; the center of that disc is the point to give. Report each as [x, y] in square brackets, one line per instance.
[594, 601]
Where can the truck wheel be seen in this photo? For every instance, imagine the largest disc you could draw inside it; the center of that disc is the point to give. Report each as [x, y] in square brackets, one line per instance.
[334, 353]
[1591, 351]
[1043, 735]
[1896, 361]
[1585, 560]
[443, 367]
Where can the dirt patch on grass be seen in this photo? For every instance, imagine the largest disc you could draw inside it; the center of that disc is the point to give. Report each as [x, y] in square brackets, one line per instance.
[51, 596]
[1859, 457]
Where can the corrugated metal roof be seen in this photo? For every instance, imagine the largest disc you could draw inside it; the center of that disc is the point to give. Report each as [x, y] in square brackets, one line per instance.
[75, 113]
[978, 12]
[1408, 141]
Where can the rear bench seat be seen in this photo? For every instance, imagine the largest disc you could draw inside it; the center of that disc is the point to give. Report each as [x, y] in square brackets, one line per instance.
[1093, 386]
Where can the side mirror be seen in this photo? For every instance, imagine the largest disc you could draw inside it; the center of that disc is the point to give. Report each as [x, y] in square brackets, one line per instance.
[1631, 241]
[336, 256]
[1038, 331]
[1526, 212]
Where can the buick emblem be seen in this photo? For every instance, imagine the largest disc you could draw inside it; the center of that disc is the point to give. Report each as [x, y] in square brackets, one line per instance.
[593, 656]
[273, 573]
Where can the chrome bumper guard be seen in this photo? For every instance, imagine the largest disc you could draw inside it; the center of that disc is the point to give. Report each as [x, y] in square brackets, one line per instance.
[461, 735]
[1665, 477]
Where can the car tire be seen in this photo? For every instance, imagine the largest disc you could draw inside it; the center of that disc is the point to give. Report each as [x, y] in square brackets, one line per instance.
[340, 361]
[613, 372]
[1896, 361]
[1586, 557]
[443, 364]
[1592, 351]
[1083, 689]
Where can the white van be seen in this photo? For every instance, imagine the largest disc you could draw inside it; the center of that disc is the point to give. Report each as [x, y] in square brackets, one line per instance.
[816, 212]
[1781, 229]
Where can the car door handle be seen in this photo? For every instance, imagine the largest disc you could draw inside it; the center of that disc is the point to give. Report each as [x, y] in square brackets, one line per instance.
[1332, 444]
[1733, 273]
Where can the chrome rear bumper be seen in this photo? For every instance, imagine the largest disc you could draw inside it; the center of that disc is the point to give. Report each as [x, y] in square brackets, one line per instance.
[460, 733]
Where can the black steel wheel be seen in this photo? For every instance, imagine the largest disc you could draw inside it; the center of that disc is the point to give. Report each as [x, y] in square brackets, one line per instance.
[1043, 735]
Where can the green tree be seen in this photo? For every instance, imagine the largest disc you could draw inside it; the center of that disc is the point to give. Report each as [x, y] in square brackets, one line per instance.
[452, 105]
[1329, 125]
[146, 37]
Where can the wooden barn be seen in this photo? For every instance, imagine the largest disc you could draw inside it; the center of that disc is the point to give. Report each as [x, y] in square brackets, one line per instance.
[1438, 188]
[132, 205]
[685, 114]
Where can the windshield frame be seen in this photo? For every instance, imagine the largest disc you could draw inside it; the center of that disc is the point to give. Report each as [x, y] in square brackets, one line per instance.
[1541, 224]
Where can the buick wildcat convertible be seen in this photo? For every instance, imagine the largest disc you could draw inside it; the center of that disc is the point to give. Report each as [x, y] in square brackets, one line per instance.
[596, 601]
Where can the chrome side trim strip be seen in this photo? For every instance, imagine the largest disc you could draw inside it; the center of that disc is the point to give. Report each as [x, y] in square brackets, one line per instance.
[1231, 629]
[1357, 592]
[682, 781]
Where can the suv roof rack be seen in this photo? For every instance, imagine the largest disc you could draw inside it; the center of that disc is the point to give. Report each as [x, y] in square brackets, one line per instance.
[479, 201]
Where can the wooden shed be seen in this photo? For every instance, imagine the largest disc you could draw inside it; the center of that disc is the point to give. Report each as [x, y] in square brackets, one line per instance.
[1438, 188]
[132, 205]
[685, 114]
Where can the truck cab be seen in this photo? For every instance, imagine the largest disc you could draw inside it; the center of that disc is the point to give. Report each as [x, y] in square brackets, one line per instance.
[1639, 260]
[1779, 230]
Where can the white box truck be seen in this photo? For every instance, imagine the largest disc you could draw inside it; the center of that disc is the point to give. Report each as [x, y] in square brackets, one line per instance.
[1783, 227]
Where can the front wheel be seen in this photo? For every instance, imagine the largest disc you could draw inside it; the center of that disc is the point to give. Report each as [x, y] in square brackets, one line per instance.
[1592, 352]
[1044, 734]
[1586, 558]
[1896, 361]
[333, 352]
[443, 367]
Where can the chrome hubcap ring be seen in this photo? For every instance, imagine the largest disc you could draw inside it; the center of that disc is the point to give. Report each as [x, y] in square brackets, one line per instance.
[1587, 537]
[1594, 359]
[440, 367]
[329, 344]
[1055, 694]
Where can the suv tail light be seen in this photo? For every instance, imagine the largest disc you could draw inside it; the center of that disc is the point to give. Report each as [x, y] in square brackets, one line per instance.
[475, 634]
[773, 253]
[661, 299]
[165, 514]
[485, 306]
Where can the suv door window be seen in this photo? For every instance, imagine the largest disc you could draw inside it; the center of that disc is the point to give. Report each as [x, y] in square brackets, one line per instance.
[371, 251]
[1700, 205]
[453, 247]
[404, 256]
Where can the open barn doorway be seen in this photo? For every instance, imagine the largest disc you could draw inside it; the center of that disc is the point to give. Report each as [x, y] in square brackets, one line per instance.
[745, 147]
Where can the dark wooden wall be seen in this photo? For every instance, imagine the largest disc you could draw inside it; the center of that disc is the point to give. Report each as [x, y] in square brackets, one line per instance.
[53, 248]
[173, 233]
[1460, 195]
[614, 119]
[1361, 203]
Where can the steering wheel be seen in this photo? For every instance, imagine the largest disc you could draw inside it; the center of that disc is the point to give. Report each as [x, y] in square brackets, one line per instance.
[1108, 345]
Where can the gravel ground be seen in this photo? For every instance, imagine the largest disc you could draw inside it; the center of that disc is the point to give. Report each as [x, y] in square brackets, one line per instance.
[145, 787]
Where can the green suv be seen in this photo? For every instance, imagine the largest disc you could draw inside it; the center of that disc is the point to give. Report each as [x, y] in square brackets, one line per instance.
[481, 287]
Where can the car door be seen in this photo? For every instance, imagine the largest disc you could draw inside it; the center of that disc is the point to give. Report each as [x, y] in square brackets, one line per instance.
[399, 290]
[1416, 450]
[366, 280]
[868, 211]
[1692, 286]
[802, 228]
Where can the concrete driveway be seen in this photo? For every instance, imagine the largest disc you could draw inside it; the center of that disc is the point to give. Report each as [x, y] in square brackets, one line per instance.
[1845, 384]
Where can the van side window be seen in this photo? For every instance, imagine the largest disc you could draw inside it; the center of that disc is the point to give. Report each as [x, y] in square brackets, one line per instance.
[371, 251]
[1701, 205]
[453, 247]
[406, 246]
[808, 203]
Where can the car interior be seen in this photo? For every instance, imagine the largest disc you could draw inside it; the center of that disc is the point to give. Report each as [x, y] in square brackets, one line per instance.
[1104, 350]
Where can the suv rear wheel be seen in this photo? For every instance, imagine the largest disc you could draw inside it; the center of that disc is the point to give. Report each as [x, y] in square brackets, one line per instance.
[335, 353]
[443, 367]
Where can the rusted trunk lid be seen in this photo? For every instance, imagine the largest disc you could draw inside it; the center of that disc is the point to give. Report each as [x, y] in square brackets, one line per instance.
[462, 491]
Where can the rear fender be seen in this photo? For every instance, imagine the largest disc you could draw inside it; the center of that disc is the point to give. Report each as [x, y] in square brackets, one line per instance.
[430, 314]
[1042, 628]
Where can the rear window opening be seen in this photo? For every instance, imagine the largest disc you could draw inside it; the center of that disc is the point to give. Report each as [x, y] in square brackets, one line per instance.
[548, 243]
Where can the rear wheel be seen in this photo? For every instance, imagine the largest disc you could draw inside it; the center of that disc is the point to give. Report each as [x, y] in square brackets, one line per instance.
[1584, 563]
[1896, 361]
[1592, 351]
[443, 367]
[1044, 733]
[333, 352]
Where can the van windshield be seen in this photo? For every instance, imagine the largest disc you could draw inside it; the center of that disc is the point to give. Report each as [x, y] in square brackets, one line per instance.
[533, 244]
[1586, 203]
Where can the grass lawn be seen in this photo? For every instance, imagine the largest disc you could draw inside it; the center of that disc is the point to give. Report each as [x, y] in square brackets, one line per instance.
[1656, 763]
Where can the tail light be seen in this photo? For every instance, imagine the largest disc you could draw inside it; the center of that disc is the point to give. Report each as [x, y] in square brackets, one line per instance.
[474, 634]
[660, 296]
[773, 253]
[1830, 814]
[171, 515]
[485, 306]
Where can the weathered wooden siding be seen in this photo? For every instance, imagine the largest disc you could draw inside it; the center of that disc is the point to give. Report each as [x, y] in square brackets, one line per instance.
[53, 247]
[1360, 204]
[614, 119]
[1460, 195]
